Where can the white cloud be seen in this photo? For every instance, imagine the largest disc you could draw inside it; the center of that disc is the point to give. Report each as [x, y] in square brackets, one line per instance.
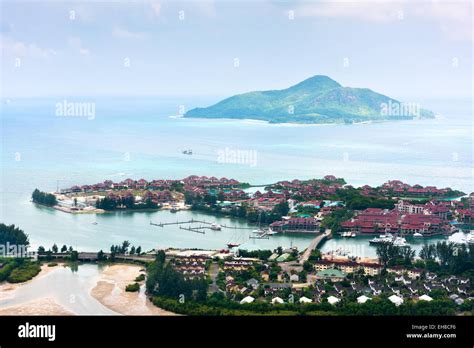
[76, 43]
[10, 46]
[453, 17]
[126, 34]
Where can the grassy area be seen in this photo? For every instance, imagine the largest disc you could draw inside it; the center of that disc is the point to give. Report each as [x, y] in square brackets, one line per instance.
[24, 272]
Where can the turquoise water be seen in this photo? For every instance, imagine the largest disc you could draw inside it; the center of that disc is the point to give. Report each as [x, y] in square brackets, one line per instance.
[135, 137]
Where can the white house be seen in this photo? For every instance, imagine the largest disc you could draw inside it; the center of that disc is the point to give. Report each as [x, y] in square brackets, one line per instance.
[425, 298]
[277, 300]
[333, 300]
[294, 278]
[396, 300]
[248, 299]
[363, 299]
[305, 300]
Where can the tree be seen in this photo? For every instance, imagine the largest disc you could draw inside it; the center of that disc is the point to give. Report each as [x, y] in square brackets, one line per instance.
[54, 248]
[63, 248]
[428, 252]
[41, 249]
[101, 256]
[138, 251]
[13, 235]
[124, 248]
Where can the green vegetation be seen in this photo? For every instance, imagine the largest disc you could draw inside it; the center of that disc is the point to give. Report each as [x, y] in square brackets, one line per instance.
[18, 270]
[217, 304]
[164, 281]
[124, 202]
[13, 235]
[44, 198]
[132, 287]
[318, 99]
[333, 221]
[452, 259]
[140, 278]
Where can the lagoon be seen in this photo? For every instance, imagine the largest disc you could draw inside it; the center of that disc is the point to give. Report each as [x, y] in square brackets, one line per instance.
[136, 138]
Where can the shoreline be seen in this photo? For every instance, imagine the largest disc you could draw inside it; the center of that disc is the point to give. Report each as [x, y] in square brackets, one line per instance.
[109, 290]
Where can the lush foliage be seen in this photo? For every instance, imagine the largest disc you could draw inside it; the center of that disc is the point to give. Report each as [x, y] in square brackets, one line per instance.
[318, 99]
[12, 235]
[44, 198]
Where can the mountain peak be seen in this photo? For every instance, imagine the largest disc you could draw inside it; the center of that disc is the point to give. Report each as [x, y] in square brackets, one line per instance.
[321, 82]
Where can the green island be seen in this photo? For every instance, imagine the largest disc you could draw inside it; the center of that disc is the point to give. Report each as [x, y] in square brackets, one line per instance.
[318, 99]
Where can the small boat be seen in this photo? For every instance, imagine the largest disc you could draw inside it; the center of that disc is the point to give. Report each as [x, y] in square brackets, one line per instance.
[353, 235]
[232, 245]
[382, 239]
[215, 227]
[188, 152]
[417, 235]
[94, 223]
[270, 232]
[174, 208]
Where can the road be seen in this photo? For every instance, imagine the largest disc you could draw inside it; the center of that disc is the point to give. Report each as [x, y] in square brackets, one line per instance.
[313, 245]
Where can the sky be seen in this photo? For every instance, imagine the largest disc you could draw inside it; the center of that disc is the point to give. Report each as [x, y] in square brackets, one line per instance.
[405, 49]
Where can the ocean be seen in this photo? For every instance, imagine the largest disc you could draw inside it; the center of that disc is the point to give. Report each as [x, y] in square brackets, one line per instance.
[143, 138]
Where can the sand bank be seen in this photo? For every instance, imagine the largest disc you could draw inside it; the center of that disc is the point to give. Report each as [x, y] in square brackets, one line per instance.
[110, 291]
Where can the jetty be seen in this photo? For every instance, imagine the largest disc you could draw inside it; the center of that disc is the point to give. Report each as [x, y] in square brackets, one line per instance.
[192, 221]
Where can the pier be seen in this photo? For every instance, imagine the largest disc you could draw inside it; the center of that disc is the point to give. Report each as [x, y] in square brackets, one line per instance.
[192, 221]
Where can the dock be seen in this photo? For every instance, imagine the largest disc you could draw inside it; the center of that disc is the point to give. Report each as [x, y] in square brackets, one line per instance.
[195, 229]
[192, 221]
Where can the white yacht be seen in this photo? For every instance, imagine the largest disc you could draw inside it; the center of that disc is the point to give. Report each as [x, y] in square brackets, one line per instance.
[417, 235]
[400, 242]
[384, 238]
[215, 227]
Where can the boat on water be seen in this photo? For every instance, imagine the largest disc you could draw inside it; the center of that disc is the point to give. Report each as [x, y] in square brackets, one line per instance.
[232, 245]
[417, 235]
[400, 242]
[270, 232]
[174, 208]
[215, 227]
[382, 239]
[94, 223]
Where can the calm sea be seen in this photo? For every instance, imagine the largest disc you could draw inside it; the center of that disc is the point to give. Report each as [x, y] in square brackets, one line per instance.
[137, 138]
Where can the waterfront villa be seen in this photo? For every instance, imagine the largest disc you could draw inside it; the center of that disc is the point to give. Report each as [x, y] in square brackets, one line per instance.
[294, 224]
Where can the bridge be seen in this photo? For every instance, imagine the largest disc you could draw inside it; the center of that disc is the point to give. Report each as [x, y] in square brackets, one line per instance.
[314, 244]
[93, 256]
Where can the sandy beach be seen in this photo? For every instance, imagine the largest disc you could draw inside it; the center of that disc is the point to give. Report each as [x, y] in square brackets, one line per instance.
[43, 306]
[7, 289]
[110, 291]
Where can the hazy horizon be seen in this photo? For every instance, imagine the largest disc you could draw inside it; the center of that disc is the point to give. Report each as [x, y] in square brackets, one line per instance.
[405, 50]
